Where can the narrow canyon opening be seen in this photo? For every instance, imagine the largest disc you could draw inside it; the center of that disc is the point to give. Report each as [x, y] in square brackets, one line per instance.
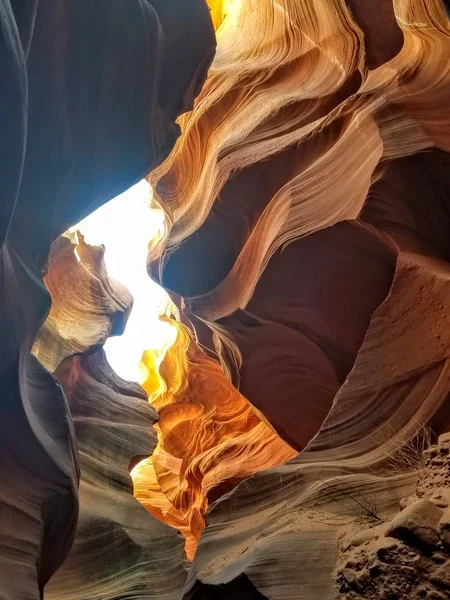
[126, 226]
[232, 380]
[209, 438]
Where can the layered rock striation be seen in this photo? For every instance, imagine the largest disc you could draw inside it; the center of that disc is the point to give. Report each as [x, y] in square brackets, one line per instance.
[305, 191]
[307, 223]
[88, 108]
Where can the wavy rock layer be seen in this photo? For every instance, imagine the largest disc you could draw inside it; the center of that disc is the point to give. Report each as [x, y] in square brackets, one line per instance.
[84, 319]
[306, 246]
[307, 218]
[210, 439]
[87, 110]
[119, 549]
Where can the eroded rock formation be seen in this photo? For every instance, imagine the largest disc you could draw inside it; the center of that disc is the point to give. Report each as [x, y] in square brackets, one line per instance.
[210, 439]
[306, 252]
[306, 170]
[88, 108]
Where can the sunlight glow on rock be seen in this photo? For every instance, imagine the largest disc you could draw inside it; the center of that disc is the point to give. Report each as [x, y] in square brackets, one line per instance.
[125, 226]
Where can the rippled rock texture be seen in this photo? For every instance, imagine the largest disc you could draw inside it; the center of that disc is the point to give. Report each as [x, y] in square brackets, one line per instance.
[307, 219]
[89, 100]
[306, 250]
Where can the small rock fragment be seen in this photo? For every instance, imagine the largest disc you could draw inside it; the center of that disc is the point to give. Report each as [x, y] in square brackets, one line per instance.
[417, 524]
[387, 543]
[444, 527]
[421, 591]
[444, 442]
[363, 536]
[352, 579]
[385, 547]
[343, 587]
[404, 502]
[438, 461]
[375, 568]
[435, 595]
[363, 577]
[441, 498]
[430, 452]
[441, 576]
[392, 592]
[419, 564]
[353, 564]
[438, 558]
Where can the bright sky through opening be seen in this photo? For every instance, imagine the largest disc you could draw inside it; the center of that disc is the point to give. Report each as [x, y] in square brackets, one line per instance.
[125, 226]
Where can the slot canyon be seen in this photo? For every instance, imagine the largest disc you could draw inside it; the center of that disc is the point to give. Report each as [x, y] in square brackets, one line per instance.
[225, 299]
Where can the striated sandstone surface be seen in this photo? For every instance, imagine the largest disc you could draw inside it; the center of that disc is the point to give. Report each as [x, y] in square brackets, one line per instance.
[292, 443]
[88, 107]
